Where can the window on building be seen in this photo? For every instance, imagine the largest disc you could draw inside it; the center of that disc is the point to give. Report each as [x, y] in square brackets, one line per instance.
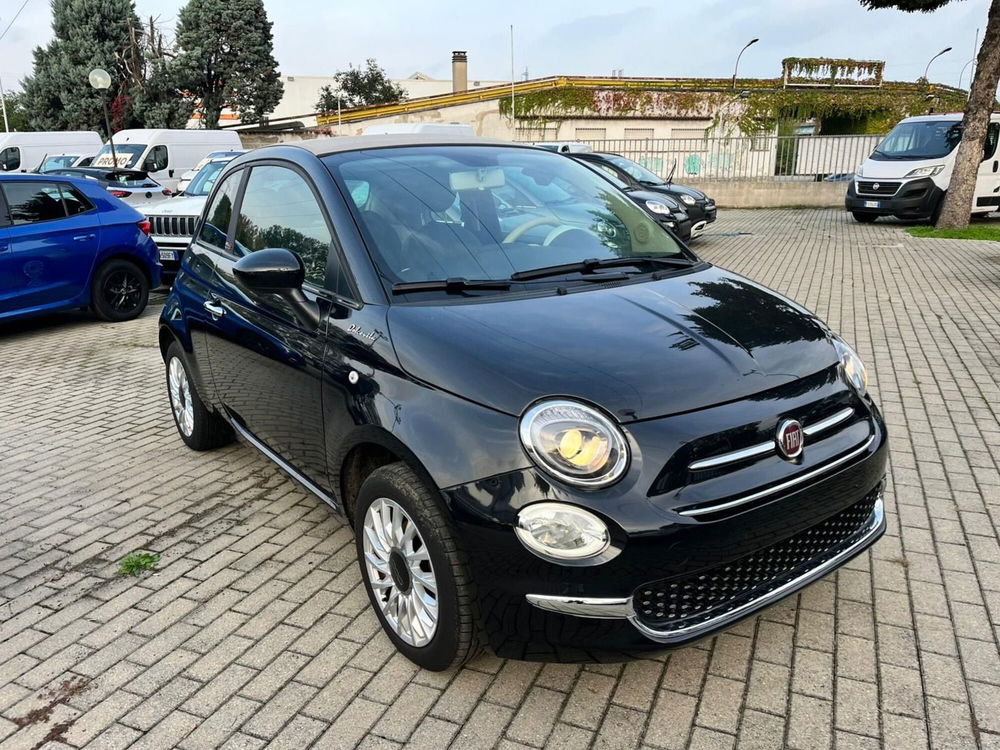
[639, 133]
[591, 134]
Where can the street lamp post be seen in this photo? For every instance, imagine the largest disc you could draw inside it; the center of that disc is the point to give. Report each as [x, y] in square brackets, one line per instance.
[946, 49]
[100, 79]
[737, 66]
[3, 106]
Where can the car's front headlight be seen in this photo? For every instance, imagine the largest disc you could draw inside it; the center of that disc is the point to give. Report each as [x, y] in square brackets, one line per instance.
[858, 172]
[851, 365]
[689, 200]
[659, 207]
[575, 443]
[925, 171]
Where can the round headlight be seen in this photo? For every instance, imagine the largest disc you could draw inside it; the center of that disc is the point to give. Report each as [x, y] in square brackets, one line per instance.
[658, 207]
[561, 532]
[853, 368]
[688, 199]
[575, 443]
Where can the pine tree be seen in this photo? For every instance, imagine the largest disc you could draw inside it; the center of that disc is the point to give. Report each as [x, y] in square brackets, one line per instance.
[982, 98]
[225, 58]
[87, 34]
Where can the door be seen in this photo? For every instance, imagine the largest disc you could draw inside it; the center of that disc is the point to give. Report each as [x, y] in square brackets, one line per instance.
[157, 165]
[266, 364]
[52, 243]
[988, 179]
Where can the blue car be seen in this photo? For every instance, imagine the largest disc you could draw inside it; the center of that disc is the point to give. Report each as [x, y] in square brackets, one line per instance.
[67, 243]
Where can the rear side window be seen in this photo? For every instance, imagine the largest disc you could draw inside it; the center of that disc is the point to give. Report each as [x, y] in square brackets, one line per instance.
[10, 159]
[220, 211]
[280, 210]
[75, 202]
[32, 202]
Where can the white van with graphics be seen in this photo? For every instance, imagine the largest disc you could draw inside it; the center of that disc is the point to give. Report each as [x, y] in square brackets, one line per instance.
[26, 152]
[908, 173]
[165, 154]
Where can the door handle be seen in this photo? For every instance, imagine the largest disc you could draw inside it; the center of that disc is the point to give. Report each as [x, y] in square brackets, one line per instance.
[214, 308]
[83, 237]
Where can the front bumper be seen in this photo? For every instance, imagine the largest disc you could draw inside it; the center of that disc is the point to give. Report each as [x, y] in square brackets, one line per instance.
[669, 533]
[915, 199]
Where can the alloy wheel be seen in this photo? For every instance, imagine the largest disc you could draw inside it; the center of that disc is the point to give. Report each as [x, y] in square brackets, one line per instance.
[180, 396]
[122, 291]
[400, 572]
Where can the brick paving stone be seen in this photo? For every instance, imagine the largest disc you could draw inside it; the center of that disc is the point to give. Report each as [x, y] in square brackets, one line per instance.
[254, 628]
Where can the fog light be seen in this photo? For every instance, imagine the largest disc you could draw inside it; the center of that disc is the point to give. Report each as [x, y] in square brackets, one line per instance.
[557, 531]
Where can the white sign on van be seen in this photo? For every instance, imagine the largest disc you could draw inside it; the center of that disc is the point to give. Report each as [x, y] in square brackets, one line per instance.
[105, 160]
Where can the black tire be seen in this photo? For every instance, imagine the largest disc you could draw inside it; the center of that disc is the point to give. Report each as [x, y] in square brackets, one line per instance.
[119, 291]
[208, 429]
[863, 217]
[456, 638]
[936, 213]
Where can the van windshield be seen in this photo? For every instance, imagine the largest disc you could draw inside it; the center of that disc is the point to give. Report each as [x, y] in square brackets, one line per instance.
[489, 212]
[128, 156]
[925, 139]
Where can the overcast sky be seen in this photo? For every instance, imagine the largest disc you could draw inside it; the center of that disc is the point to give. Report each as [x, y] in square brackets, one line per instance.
[581, 37]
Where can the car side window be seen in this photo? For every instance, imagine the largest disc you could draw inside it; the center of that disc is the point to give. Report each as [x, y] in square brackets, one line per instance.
[220, 211]
[990, 141]
[10, 159]
[75, 202]
[279, 209]
[156, 160]
[32, 202]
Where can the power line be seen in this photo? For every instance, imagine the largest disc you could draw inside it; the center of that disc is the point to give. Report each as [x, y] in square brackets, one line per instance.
[23, 5]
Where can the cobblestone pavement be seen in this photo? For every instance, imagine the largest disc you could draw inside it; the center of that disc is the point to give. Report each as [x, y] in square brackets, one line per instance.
[255, 629]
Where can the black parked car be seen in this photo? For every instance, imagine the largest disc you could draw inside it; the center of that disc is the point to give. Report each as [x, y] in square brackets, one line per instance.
[558, 433]
[699, 206]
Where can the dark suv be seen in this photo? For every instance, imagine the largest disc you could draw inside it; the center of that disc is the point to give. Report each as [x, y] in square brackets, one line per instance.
[556, 432]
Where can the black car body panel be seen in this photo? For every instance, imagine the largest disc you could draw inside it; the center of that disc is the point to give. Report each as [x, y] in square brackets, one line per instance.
[692, 363]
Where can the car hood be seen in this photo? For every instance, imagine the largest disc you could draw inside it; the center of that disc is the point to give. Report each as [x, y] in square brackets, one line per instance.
[671, 188]
[638, 350]
[182, 206]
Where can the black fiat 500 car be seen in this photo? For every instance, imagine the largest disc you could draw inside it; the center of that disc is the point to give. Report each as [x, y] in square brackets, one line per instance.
[699, 206]
[556, 432]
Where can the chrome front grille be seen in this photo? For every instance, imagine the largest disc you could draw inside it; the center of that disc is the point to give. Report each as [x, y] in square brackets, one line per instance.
[687, 602]
[173, 226]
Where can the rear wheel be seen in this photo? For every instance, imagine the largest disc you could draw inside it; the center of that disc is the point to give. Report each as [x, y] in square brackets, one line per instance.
[119, 291]
[415, 574]
[200, 428]
[863, 217]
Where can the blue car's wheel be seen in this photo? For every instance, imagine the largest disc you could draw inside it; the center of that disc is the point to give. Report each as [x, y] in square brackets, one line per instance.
[119, 291]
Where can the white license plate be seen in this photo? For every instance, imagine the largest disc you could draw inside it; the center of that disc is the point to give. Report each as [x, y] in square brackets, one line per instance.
[168, 255]
[871, 204]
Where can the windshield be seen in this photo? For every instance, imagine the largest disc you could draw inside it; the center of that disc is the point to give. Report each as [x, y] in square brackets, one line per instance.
[57, 162]
[635, 170]
[128, 156]
[205, 179]
[487, 212]
[928, 139]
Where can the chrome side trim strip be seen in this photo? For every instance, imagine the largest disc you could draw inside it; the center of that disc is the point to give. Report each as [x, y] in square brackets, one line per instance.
[733, 457]
[283, 465]
[871, 530]
[779, 487]
[832, 421]
[584, 606]
[761, 448]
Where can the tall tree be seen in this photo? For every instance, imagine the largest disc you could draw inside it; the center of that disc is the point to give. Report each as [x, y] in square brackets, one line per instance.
[367, 84]
[158, 100]
[982, 98]
[327, 101]
[87, 34]
[226, 58]
[17, 116]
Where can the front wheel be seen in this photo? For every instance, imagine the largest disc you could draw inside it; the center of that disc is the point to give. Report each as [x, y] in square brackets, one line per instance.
[119, 291]
[863, 217]
[415, 574]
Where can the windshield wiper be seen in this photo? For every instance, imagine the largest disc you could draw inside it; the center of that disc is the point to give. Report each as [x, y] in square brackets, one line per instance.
[451, 286]
[592, 264]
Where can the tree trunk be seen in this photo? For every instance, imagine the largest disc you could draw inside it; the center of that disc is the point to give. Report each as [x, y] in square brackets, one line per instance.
[982, 98]
[211, 108]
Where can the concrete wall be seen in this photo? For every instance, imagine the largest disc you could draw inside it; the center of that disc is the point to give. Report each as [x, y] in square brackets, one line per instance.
[773, 194]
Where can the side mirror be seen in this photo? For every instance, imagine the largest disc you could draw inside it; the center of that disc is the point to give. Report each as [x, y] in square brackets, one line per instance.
[278, 271]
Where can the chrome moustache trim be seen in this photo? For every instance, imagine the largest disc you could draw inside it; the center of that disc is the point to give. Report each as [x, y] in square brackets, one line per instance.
[622, 608]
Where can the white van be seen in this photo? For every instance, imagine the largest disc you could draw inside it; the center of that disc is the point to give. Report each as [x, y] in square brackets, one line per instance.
[166, 154]
[908, 172]
[25, 152]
